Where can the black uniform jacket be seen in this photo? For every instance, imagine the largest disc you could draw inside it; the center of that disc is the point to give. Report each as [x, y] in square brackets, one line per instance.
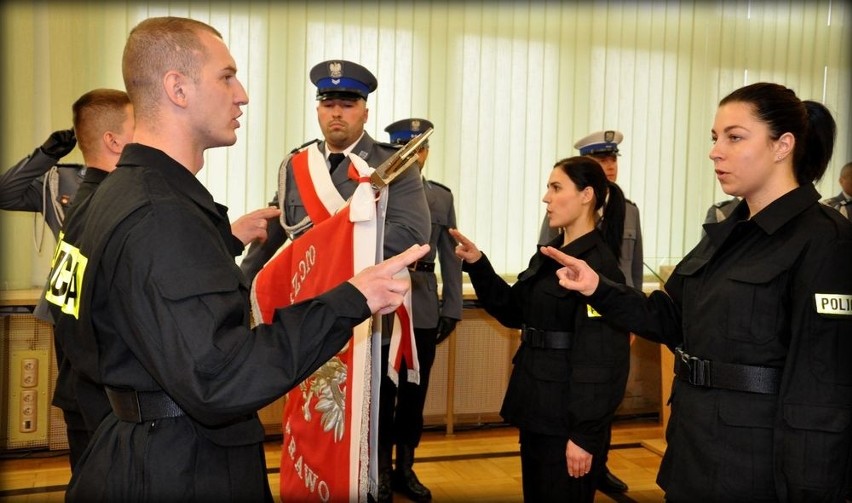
[164, 307]
[770, 291]
[73, 391]
[564, 392]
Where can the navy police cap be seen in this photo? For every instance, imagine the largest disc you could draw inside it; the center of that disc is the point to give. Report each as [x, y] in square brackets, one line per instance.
[343, 79]
[403, 131]
[601, 142]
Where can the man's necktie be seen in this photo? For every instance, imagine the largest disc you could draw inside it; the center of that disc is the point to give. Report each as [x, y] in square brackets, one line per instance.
[844, 209]
[335, 159]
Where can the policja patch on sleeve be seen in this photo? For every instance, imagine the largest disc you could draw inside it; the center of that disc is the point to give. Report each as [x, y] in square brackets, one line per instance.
[836, 304]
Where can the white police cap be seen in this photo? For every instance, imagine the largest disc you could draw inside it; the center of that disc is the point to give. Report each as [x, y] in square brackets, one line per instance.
[600, 142]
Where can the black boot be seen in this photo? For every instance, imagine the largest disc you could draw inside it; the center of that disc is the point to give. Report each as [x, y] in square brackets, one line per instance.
[609, 483]
[404, 478]
[385, 492]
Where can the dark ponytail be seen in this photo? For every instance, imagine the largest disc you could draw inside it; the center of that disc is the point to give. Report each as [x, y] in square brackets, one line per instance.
[612, 223]
[819, 143]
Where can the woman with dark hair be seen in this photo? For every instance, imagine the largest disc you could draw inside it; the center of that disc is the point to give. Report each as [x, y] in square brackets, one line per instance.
[758, 316]
[571, 368]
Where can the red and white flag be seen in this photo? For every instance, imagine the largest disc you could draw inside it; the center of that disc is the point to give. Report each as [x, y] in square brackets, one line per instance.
[330, 421]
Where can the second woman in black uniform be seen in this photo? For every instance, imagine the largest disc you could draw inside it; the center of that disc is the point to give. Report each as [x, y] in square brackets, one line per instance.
[571, 369]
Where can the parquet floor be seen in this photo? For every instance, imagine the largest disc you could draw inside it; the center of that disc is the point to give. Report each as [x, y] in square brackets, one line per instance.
[473, 465]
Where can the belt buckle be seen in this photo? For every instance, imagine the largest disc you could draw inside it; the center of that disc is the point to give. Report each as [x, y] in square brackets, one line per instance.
[699, 370]
[538, 338]
[137, 407]
[125, 404]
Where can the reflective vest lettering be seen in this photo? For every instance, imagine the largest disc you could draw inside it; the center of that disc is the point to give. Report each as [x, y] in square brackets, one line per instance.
[66, 278]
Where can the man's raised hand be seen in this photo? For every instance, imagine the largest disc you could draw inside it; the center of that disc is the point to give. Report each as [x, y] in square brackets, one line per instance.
[377, 283]
[254, 225]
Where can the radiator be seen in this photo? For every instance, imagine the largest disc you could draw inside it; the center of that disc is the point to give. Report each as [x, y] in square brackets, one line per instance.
[483, 351]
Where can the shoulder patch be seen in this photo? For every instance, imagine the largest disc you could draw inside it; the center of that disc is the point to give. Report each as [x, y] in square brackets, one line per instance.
[836, 304]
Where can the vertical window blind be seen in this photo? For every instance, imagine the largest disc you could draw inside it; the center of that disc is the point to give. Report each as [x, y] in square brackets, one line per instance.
[510, 86]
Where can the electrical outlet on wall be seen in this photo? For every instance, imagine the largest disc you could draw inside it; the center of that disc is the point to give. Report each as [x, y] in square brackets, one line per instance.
[29, 411]
[28, 397]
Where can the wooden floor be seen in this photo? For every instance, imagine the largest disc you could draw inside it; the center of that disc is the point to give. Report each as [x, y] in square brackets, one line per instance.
[475, 465]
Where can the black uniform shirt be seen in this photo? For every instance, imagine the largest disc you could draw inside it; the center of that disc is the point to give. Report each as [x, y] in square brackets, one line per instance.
[770, 291]
[163, 306]
[67, 394]
[574, 392]
[170, 306]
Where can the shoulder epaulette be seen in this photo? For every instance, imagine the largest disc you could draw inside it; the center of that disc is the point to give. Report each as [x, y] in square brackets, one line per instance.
[721, 204]
[306, 144]
[433, 182]
[389, 145]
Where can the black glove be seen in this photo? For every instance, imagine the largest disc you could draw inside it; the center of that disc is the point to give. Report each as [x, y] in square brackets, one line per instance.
[59, 144]
[445, 328]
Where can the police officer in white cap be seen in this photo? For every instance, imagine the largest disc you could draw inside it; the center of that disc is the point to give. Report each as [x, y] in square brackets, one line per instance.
[603, 147]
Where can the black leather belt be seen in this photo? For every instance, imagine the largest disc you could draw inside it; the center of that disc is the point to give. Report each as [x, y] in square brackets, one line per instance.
[732, 376]
[422, 266]
[140, 406]
[548, 339]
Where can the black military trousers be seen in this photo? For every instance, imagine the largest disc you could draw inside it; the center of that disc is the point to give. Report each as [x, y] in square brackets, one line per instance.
[77, 434]
[544, 471]
[401, 407]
